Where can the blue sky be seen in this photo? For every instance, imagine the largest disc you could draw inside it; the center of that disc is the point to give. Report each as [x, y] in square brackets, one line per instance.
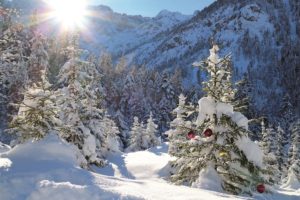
[152, 7]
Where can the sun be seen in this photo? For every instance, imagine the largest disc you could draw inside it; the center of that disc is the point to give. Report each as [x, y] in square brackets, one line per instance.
[70, 13]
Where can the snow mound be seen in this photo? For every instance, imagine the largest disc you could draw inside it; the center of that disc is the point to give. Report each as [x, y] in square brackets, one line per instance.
[208, 179]
[139, 165]
[46, 169]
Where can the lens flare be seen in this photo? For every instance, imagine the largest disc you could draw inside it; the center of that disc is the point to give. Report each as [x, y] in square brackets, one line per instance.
[69, 13]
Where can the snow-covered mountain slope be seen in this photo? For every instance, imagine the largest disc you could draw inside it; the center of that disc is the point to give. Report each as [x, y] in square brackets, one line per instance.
[225, 25]
[111, 31]
[119, 33]
[47, 169]
[261, 35]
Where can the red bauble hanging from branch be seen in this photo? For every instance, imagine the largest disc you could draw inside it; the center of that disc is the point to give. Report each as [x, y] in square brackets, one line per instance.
[191, 135]
[208, 132]
[261, 188]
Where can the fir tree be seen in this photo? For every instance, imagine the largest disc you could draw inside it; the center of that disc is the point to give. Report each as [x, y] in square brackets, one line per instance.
[287, 116]
[38, 114]
[128, 104]
[14, 50]
[242, 99]
[215, 140]
[57, 57]
[293, 178]
[136, 136]
[150, 139]
[269, 146]
[143, 137]
[280, 154]
[38, 59]
[167, 101]
[79, 100]
[106, 133]
[175, 134]
[219, 85]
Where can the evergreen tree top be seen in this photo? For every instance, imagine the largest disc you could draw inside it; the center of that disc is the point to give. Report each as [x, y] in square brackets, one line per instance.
[218, 85]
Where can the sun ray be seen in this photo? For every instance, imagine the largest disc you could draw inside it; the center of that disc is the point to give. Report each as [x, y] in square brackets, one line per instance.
[70, 14]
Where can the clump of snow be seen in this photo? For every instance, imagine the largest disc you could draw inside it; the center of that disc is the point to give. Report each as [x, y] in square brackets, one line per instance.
[208, 107]
[5, 163]
[208, 179]
[89, 147]
[4, 148]
[240, 119]
[224, 108]
[113, 144]
[251, 149]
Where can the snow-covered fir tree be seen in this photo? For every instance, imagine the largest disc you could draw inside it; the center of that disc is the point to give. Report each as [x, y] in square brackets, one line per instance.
[106, 133]
[287, 112]
[114, 92]
[293, 178]
[280, 154]
[287, 117]
[56, 56]
[38, 114]
[269, 143]
[219, 85]
[14, 52]
[136, 136]
[269, 147]
[242, 99]
[167, 101]
[175, 135]
[150, 139]
[216, 146]
[38, 59]
[142, 136]
[78, 100]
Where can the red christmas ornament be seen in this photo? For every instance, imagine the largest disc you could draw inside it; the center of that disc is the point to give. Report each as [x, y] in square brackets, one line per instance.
[191, 135]
[208, 132]
[261, 188]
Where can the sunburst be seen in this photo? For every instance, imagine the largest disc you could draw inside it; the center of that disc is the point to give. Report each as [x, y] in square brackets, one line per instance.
[69, 13]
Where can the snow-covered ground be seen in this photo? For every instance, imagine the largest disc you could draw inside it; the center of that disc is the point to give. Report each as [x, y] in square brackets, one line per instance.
[48, 170]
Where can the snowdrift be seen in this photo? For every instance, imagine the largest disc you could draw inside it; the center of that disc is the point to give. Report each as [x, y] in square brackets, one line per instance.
[48, 170]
